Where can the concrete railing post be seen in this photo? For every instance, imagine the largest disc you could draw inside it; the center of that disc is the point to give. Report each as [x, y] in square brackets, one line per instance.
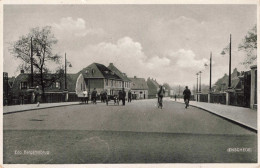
[253, 94]
[227, 98]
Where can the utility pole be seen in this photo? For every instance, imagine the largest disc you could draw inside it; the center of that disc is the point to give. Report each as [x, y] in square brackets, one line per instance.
[210, 65]
[197, 85]
[65, 72]
[200, 81]
[229, 78]
[31, 64]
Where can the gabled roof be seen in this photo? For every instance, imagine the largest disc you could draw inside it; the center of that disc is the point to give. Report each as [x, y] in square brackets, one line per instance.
[235, 83]
[97, 70]
[153, 86]
[118, 72]
[139, 83]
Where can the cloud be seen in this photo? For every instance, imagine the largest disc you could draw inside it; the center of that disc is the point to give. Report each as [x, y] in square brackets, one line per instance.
[128, 56]
[69, 26]
[186, 59]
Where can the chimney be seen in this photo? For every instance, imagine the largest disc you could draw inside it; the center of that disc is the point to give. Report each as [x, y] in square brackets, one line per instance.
[134, 76]
[22, 71]
[111, 64]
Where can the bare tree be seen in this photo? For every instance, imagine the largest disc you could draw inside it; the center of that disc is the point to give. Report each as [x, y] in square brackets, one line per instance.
[249, 46]
[36, 47]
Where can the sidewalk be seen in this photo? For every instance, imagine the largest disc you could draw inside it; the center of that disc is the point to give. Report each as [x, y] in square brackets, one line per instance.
[243, 116]
[26, 107]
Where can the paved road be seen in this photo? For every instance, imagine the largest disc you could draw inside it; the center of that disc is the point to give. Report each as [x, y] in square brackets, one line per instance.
[136, 133]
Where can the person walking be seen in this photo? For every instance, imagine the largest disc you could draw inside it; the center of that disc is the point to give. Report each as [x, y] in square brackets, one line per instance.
[85, 94]
[160, 96]
[129, 96]
[94, 96]
[37, 95]
[186, 94]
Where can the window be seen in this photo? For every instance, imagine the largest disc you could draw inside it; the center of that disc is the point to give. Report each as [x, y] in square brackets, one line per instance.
[106, 82]
[23, 85]
[57, 84]
[112, 82]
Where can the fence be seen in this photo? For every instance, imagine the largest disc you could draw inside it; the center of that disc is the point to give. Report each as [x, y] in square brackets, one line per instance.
[203, 97]
[238, 99]
[218, 98]
[49, 98]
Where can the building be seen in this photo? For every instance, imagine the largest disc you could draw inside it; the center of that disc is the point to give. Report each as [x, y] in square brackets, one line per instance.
[100, 77]
[167, 89]
[153, 88]
[139, 88]
[20, 89]
[126, 81]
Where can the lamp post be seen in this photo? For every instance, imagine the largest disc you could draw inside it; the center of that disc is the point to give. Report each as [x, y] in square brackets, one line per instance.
[31, 64]
[65, 87]
[210, 71]
[197, 90]
[200, 81]
[65, 72]
[229, 78]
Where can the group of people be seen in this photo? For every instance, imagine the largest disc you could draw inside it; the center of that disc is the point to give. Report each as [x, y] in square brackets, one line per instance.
[186, 96]
[121, 95]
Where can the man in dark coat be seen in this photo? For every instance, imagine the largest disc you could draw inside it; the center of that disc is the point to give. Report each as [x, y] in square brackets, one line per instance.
[123, 96]
[186, 94]
[94, 96]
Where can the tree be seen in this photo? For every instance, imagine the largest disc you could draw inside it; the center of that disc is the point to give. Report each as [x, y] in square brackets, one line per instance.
[249, 46]
[41, 42]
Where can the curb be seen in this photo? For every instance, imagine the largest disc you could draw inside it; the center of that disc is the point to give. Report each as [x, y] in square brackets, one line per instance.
[225, 118]
[40, 108]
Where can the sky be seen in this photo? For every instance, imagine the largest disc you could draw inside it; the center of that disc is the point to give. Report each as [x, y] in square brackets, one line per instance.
[169, 43]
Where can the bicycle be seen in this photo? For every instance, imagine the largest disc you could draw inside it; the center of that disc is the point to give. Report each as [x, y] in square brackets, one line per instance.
[186, 103]
[160, 101]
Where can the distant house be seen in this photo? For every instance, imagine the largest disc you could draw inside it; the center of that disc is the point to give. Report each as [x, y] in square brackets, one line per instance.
[153, 87]
[240, 87]
[53, 93]
[126, 81]
[100, 77]
[139, 88]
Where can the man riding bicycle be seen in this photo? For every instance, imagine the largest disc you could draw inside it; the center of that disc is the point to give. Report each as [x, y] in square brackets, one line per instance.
[186, 94]
[160, 96]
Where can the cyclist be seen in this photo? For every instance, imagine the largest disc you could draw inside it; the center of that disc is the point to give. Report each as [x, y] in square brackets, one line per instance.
[186, 94]
[160, 96]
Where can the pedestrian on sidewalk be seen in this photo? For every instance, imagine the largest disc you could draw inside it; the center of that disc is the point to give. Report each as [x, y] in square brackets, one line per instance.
[86, 95]
[37, 96]
[186, 94]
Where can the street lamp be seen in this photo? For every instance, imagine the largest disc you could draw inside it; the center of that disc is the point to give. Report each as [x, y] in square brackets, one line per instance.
[197, 90]
[210, 71]
[66, 71]
[229, 79]
[200, 81]
[223, 53]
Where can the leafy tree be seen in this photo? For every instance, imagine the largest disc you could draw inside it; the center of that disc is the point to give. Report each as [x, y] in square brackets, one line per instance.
[41, 41]
[249, 46]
